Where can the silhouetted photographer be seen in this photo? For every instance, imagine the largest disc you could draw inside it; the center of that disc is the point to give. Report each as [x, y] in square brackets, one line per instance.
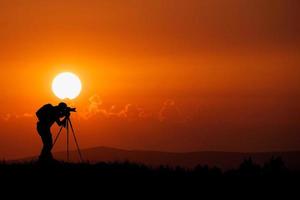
[47, 116]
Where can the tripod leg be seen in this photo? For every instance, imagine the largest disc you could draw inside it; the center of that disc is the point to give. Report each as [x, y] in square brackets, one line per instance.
[56, 138]
[75, 139]
[68, 140]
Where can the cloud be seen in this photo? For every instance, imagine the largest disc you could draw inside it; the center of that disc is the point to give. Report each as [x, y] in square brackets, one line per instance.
[6, 117]
[132, 112]
[9, 116]
[28, 115]
[93, 108]
[25, 115]
[170, 112]
[95, 103]
[96, 107]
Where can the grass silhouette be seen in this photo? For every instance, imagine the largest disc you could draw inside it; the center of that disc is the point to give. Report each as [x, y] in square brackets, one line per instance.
[273, 168]
[132, 177]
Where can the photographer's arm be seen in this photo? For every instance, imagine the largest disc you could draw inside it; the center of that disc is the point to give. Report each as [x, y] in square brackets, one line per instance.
[61, 122]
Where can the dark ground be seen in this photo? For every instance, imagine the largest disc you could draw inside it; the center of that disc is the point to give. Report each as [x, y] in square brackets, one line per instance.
[271, 178]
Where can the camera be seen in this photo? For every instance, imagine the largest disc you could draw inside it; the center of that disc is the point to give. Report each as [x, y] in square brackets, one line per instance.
[67, 111]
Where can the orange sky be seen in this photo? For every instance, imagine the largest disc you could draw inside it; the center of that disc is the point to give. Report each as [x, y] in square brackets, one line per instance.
[161, 75]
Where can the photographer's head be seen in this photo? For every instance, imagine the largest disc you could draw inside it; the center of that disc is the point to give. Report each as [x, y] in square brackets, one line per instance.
[64, 110]
[62, 107]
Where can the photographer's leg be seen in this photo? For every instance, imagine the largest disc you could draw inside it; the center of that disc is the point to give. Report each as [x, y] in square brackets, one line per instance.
[48, 145]
[43, 154]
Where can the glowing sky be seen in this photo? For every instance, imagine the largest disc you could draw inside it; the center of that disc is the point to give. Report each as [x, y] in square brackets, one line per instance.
[180, 75]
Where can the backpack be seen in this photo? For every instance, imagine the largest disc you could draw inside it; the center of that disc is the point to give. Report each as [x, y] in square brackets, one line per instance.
[44, 112]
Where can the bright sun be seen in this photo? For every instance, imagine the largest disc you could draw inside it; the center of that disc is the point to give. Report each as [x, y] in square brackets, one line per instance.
[66, 85]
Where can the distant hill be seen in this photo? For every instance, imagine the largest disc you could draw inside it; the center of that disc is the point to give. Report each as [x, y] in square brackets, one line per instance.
[224, 160]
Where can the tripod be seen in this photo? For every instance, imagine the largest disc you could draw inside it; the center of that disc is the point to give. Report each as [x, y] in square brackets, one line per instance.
[69, 124]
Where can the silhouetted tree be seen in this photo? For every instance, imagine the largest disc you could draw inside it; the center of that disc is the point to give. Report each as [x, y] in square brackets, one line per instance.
[249, 168]
[275, 167]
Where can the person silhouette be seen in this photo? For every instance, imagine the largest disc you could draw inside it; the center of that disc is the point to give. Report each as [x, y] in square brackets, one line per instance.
[47, 115]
